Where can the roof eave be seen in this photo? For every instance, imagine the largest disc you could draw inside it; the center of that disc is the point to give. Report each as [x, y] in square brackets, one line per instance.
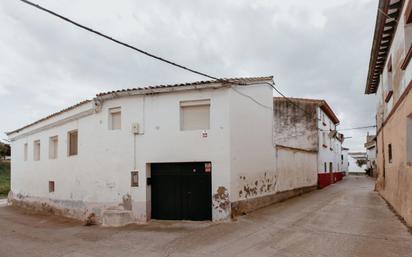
[379, 44]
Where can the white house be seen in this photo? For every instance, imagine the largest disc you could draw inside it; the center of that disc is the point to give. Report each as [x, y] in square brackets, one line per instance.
[371, 164]
[195, 151]
[306, 139]
[353, 164]
[345, 160]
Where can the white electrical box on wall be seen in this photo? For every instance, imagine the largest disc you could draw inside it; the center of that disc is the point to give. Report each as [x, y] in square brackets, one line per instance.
[135, 128]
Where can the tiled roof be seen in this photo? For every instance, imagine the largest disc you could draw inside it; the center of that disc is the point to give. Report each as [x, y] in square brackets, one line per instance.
[194, 84]
[321, 103]
[197, 83]
[387, 15]
[50, 116]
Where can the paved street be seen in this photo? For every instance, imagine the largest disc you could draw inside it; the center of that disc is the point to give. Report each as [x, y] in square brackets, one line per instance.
[346, 219]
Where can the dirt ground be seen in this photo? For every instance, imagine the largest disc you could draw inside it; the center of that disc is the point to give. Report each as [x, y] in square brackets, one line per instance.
[345, 219]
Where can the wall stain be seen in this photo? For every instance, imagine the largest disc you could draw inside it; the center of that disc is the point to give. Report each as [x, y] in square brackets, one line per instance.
[221, 200]
[261, 185]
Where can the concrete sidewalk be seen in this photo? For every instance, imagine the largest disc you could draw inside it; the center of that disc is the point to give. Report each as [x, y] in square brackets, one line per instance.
[346, 219]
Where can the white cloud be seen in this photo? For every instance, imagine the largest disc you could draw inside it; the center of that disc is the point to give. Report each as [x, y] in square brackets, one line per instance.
[316, 49]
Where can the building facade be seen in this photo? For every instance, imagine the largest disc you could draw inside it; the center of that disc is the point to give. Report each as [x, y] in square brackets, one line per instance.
[345, 160]
[308, 127]
[389, 78]
[370, 147]
[195, 151]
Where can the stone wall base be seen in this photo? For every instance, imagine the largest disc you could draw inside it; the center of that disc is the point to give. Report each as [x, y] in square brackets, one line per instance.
[89, 213]
[248, 205]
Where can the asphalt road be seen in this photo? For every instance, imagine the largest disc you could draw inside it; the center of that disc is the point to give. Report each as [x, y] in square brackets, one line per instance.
[346, 219]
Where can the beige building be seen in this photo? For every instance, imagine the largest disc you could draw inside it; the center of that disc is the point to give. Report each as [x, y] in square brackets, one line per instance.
[389, 78]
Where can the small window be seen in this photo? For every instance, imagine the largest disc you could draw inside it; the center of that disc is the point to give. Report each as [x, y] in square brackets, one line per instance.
[390, 153]
[36, 150]
[51, 186]
[324, 138]
[53, 147]
[195, 115]
[330, 167]
[115, 118]
[325, 166]
[72, 142]
[26, 150]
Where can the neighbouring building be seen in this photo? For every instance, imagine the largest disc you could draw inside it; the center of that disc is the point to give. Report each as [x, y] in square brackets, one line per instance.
[389, 79]
[194, 151]
[344, 160]
[357, 163]
[370, 146]
[307, 142]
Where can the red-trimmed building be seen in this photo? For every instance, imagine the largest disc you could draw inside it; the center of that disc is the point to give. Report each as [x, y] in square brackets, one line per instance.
[308, 127]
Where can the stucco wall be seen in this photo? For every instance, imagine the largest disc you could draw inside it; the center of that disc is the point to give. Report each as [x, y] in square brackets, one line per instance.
[295, 169]
[345, 162]
[295, 126]
[395, 186]
[100, 174]
[329, 151]
[252, 153]
[238, 144]
[395, 178]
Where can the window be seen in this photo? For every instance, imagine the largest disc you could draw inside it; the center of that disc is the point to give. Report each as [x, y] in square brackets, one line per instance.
[36, 150]
[389, 89]
[115, 118]
[390, 153]
[53, 146]
[26, 150]
[325, 166]
[195, 115]
[324, 139]
[72, 142]
[51, 186]
[408, 36]
[330, 167]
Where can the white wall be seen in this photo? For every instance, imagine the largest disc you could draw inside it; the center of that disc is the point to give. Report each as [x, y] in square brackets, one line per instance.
[353, 167]
[252, 153]
[295, 169]
[238, 143]
[331, 150]
[345, 162]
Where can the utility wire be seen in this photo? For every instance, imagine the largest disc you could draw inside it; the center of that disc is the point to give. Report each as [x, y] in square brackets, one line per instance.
[147, 53]
[117, 41]
[365, 127]
[37, 6]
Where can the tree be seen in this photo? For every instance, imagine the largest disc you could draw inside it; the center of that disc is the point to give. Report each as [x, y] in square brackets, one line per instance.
[360, 162]
[4, 150]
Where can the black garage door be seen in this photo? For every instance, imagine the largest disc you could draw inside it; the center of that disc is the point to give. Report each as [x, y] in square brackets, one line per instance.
[181, 191]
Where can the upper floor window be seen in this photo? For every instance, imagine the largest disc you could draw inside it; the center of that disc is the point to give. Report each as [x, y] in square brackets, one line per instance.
[408, 25]
[390, 153]
[195, 115]
[26, 150]
[72, 139]
[115, 118]
[36, 150]
[53, 147]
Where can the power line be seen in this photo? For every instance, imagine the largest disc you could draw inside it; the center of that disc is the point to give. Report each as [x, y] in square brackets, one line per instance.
[118, 41]
[37, 6]
[365, 127]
